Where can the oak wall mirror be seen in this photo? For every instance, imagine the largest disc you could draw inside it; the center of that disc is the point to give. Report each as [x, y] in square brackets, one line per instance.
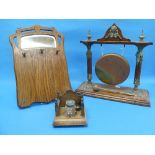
[40, 64]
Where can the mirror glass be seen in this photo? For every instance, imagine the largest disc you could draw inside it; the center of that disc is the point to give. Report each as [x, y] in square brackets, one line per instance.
[35, 41]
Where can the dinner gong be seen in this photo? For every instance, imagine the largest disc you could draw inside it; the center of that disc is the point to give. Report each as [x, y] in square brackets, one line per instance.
[112, 69]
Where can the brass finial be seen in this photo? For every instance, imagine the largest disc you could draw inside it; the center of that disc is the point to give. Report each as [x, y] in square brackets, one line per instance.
[141, 37]
[89, 35]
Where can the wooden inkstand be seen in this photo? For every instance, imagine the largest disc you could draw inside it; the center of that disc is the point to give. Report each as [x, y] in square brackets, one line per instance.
[69, 109]
[113, 69]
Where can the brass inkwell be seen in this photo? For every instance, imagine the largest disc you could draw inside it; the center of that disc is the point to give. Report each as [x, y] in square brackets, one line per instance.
[113, 69]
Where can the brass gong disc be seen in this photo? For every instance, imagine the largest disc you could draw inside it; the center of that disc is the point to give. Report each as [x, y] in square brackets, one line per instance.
[112, 69]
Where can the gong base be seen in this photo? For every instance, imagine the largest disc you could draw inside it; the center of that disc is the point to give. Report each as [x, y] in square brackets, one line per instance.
[77, 120]
[120, 94]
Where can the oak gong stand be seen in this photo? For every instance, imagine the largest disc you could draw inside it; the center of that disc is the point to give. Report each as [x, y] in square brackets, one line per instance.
[110, 92]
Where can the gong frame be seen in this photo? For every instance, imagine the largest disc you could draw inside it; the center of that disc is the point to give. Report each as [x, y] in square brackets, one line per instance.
[114, 36]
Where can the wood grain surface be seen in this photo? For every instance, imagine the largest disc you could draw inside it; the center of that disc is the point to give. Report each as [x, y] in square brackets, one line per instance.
[122, 94]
